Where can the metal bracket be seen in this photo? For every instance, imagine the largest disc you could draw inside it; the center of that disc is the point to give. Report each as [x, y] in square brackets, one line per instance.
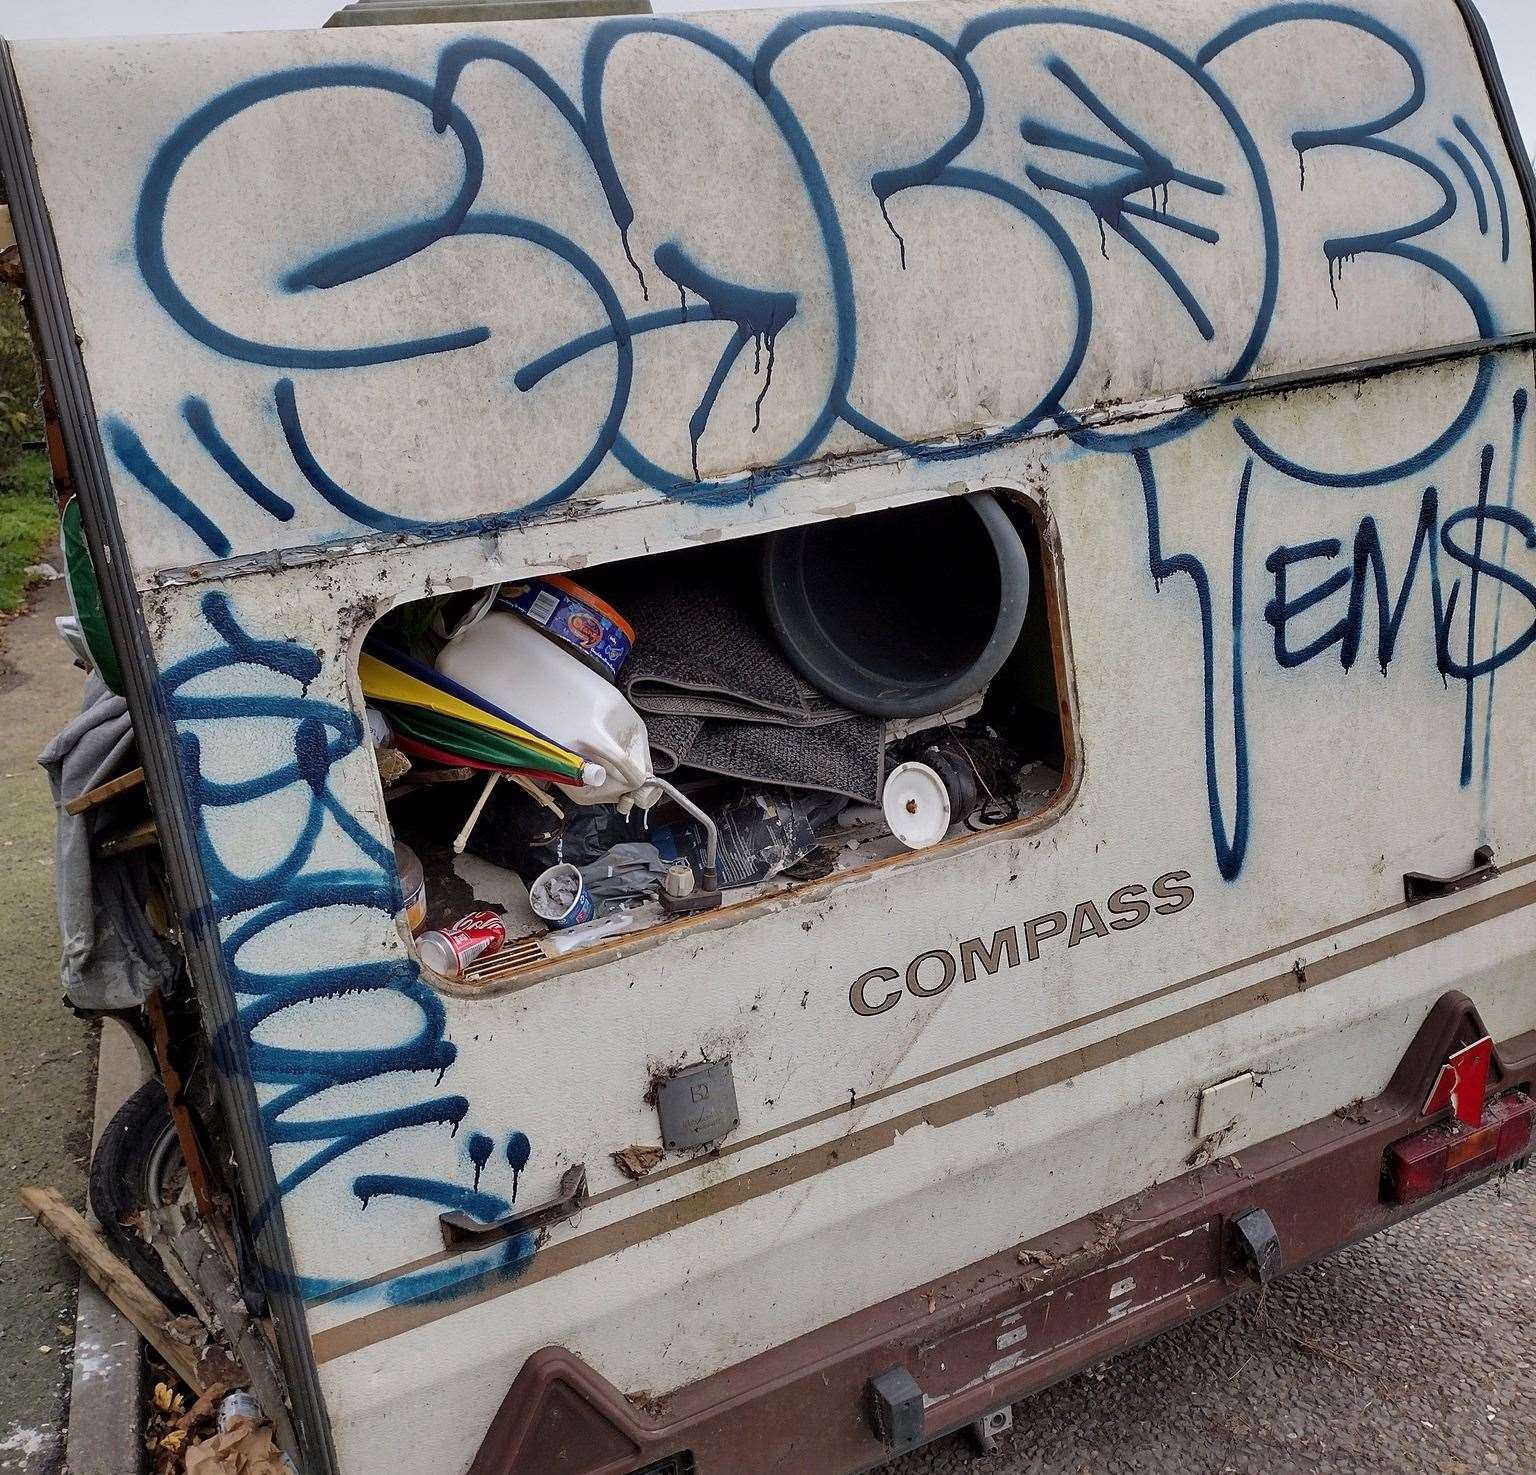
[463, 1232]
[707, 895]
[1417, 886]
[1255, 1245]
[985, 1430]
[696, 901]
[896, 1409]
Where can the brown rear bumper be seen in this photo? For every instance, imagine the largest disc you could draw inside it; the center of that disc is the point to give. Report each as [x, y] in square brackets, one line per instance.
[1009, 1325]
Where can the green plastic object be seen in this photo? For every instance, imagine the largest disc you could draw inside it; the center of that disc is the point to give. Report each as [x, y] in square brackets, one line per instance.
[85, 596]
[454, 736]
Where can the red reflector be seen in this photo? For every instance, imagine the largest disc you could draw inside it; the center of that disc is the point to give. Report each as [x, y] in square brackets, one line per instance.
[1441, 1156]
[1462, 1082]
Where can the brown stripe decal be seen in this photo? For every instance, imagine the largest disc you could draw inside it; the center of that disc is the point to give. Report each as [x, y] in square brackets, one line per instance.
[843, 1108]
[553, 1260]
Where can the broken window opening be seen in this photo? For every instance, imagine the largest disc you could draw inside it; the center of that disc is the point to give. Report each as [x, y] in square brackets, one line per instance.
[574, 764]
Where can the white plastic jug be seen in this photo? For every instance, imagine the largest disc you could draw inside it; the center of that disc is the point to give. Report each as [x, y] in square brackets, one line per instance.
[505, 660]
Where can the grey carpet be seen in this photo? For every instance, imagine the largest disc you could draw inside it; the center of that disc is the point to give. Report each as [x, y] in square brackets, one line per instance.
[718, 695]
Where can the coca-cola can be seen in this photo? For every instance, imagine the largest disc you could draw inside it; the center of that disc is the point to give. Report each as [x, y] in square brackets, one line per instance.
[450, 951]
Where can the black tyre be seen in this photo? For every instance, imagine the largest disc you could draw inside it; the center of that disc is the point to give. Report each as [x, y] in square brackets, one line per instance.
[135, 1167]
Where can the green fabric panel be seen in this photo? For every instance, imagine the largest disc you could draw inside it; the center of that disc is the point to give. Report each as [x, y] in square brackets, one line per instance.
[85, 595]
[455, 736]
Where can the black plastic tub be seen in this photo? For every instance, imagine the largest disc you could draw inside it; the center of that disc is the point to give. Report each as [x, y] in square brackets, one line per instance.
[900, 613]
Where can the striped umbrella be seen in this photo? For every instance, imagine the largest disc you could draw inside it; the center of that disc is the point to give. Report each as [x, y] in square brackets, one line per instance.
[426, 706]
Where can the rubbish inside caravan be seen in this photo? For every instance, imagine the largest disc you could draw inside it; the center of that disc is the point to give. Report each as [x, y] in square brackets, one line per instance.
[576, 761]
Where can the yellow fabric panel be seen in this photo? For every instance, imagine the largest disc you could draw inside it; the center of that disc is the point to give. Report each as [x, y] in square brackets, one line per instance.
[386, 684]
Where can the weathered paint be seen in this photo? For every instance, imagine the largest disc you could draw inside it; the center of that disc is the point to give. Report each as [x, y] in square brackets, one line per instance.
[463, 306]
[367, 276]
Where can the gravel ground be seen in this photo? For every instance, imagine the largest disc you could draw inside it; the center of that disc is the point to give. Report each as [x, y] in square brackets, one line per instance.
[1414, 1351]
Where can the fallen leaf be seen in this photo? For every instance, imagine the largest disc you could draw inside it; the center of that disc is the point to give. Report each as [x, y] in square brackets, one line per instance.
[167, 1401]
[636, 1161]
[242, 1449]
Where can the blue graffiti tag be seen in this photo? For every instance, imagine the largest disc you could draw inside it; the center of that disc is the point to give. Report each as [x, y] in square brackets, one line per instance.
[759, 313]
[1160, 195]
[1147, 172]
[291, 893]
[1367, 574]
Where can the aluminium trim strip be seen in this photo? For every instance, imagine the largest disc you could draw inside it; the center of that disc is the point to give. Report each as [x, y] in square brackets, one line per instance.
[1371, 368]
[373, 1327]
[1204, 397]
[1504, 111]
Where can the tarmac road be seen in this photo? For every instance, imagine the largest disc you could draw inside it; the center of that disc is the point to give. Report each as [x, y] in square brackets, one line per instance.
[1412, 1352]
[47, 1056]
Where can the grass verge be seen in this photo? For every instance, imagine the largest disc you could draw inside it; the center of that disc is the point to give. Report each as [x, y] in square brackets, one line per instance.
[29, 520]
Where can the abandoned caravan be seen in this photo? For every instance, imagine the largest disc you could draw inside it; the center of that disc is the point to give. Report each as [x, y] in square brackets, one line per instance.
[784, 662]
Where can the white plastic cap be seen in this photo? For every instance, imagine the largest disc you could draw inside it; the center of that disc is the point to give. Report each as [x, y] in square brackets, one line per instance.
[916, 805]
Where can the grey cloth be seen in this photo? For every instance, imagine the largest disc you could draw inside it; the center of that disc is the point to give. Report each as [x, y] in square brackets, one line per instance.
[704, 649]
[718, 695]
[846, 758]
[112, 958]
[630, 871]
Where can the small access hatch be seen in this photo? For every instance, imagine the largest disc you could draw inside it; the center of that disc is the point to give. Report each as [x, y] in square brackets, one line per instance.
[697, 1106]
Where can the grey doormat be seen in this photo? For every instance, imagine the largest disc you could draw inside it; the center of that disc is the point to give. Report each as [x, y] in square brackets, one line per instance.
[718, 695]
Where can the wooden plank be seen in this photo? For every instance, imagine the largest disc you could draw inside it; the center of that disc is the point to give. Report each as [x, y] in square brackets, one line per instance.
[102, 792]
[124, 1289]
[140, 837]
[422, 778]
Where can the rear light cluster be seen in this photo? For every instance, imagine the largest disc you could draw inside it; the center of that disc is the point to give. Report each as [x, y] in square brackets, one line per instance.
[1439, 1157]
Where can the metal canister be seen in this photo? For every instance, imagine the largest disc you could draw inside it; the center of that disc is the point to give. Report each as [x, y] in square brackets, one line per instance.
[451, 950]
[413, 886]
[575, 618]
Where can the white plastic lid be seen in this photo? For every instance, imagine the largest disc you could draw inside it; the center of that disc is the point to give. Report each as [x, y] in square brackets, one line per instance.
[916, 805]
